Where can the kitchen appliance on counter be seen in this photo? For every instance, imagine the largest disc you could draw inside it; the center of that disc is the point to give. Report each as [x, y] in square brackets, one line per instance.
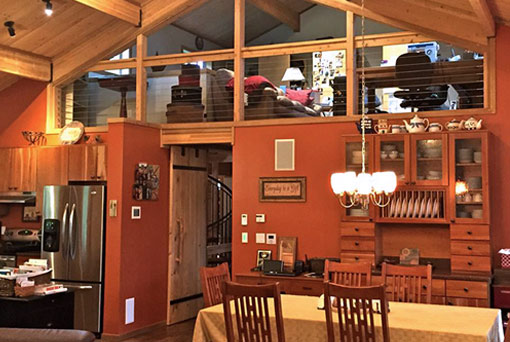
[18, 240]
[73, 243]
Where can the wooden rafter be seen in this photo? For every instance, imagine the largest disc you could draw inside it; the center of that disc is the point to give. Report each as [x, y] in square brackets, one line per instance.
[239, 40]
[485, 17]
[141, 78]
[21, 63]
[115, 37]
[120, 9]
[422, 19]
[279, 11]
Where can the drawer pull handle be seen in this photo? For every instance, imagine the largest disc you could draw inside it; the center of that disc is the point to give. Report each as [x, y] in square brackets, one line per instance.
[356, 229]
[307, 288]
[470, 263]
[469, 232]
[466, 289]
[424, 287]
[356, 243]
[469, 248]
[356, 258]
[505, 291]
[450, 303]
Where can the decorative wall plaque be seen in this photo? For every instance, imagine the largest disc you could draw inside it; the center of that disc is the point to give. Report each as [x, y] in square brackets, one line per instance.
[282, 189]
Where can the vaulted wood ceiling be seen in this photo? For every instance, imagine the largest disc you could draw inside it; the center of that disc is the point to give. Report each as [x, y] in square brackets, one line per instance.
[82, 32]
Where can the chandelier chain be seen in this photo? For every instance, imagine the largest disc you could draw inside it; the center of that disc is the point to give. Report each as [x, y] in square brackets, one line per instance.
[363, 92]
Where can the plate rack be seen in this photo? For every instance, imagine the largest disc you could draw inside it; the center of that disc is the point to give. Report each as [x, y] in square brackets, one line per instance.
[416, 205]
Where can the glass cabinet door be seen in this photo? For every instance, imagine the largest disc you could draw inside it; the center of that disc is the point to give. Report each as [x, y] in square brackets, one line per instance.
[429, 159]
[392, 154]
[353, 162]
[469, 181]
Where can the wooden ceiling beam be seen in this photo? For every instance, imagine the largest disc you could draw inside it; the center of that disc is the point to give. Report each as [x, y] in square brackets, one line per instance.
[120, 9]
[416, 18]
[481, 8]
[24, 64]
[279, 11]
[113, 38]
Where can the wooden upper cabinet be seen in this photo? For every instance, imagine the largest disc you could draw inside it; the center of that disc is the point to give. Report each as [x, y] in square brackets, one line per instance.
[393, 153]
[52, 165]
[429, 159]
[87, 162]
[19, 170]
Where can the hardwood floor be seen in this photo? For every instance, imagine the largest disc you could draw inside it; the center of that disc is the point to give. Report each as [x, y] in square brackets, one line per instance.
[180, 332]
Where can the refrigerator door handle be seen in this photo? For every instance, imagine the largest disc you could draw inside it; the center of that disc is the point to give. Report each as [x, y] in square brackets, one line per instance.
[65, 243]
[72, 235]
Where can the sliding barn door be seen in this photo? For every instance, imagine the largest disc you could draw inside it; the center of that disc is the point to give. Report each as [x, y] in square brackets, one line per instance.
[188, 221]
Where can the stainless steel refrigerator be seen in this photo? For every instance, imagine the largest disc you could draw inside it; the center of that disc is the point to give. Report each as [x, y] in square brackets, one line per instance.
[73, 243]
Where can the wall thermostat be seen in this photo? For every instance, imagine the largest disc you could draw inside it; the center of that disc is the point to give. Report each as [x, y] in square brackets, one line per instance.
[271, 239]
[136, 213]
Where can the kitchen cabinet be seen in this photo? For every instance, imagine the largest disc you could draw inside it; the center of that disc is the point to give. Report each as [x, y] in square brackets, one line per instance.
[52, 168]
[393, 154]
[87, 162]
[20, 169]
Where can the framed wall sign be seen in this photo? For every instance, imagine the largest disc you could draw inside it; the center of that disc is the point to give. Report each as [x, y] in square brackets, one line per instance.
[282, 189]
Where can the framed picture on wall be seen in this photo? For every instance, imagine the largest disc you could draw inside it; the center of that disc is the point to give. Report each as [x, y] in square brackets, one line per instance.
[29, 214]
[263, 254]
[146, 185]
[282, 189]
[287, 250]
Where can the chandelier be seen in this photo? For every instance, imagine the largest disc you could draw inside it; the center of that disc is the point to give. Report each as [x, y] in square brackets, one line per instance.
[359, 190]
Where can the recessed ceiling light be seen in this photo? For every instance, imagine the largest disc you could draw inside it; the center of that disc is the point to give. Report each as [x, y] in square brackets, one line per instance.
[10, 28]
[49, 7]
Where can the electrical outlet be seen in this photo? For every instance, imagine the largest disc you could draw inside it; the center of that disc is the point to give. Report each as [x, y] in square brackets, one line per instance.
[244, 237]
[260, 218]
[260, 238]
[130, 310]
[244, 219]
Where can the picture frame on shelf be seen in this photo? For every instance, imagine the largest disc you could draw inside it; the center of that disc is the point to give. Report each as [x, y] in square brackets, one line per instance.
[287, 251]
[282, 189]
[29, 214]
[263, 254]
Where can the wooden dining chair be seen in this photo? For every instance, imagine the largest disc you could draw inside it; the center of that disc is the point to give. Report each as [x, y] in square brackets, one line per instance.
[252, 312]
[408, 283]
[350, 274]
[507, 334]
[356, 307]
[211, 279]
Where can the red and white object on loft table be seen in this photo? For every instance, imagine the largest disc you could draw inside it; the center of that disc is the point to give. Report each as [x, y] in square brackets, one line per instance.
[505, 257]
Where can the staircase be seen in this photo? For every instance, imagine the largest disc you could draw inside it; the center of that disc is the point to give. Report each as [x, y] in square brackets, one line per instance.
[219, 227]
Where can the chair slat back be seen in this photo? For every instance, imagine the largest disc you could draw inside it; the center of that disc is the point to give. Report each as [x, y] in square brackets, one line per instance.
[211, 279]
[408, 283]
[355, 309]
[252, 312]
[349, 274]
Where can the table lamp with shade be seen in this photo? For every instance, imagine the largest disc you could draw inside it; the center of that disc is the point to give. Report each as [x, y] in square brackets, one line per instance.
[293, 74]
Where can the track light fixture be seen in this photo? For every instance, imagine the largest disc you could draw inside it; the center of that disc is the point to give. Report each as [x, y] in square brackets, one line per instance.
[49, 7]
[10, 28]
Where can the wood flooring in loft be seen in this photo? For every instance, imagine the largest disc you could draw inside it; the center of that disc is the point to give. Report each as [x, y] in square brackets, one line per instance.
[181, 332]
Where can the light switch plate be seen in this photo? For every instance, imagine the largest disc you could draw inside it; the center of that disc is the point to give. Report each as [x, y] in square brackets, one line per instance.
[113, 208]
[136, 213]
[244, 237]
[271, 239]
[260, 238]
[260, 218]
[244, 219]
[130, 311]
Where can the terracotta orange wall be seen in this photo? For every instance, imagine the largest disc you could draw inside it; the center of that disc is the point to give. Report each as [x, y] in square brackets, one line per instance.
[136, 259]
[316, 223]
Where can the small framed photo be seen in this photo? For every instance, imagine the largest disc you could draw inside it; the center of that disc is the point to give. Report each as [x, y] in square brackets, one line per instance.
[287, 250]
[262, 255]
[29, 214]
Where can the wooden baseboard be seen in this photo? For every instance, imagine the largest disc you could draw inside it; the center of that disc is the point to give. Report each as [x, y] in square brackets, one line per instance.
[134, 333]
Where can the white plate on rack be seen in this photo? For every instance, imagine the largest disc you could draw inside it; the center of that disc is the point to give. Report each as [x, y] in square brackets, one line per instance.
[416, 207]
[391, 210]
[422, 207]
[410, 208]
[397, 208]
[435, 209]
[404, 208]
[429, 208]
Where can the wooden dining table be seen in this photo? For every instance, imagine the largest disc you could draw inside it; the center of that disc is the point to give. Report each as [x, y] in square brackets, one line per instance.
[407, 322]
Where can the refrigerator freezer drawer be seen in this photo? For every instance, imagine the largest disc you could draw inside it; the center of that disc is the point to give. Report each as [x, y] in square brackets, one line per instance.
[87, 306]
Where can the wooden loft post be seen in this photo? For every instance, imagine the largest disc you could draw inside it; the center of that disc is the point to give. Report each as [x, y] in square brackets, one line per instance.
[141, 78]
[350, 67]
[239, 30]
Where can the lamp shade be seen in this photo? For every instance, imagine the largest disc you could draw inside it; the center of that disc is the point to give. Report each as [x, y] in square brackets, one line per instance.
[337, 183]
[389, 181]
[378, 179]
[349, 182]
[293, 74]
[364, 183]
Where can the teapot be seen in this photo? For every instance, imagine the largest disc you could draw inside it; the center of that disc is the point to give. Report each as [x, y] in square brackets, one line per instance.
[472, 124]
[382, 126]
[417, 125]
[454, 125]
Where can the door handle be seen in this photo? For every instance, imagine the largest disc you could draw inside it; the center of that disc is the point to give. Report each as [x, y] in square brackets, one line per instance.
[65, 247]
[72, 234]
[180, 241]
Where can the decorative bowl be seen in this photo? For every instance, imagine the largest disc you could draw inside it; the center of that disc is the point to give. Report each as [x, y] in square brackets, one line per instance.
[32, 136]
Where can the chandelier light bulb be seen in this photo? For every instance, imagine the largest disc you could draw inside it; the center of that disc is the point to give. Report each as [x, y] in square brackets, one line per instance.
[49, 7]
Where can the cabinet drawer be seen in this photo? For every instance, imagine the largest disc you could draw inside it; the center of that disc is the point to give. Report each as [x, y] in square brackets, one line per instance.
[467, 289]
[357, 229]
[470, 263]
[478, 248]
[469, 232]
[357, 244]
[304, 287]
[501, 296]
[256, 281]
[357, 257]
[474, 302]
